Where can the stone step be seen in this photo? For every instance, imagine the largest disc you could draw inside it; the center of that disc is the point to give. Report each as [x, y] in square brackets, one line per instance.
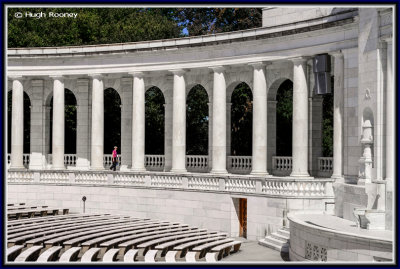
[284, 238]
[275, 241]
[284, 233]
[268, 244]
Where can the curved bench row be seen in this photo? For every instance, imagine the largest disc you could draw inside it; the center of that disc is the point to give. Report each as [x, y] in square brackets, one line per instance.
[113, 238]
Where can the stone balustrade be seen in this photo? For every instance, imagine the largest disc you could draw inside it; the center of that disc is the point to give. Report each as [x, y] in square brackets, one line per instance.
[282, 165]
[154, 162]
[283, 187]
[197, 163]
[239, 164]
[107, 159]
[325, 166]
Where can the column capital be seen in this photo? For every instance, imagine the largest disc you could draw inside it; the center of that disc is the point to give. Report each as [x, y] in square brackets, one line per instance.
[300, 60]
[218, 69]
[16, 77]
[178, 72]
[138, 74]
[57, 77]
[337, 54]
[258, 65]
[96, 76]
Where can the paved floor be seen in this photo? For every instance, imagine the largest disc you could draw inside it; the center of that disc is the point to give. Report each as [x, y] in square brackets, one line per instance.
[251, 251]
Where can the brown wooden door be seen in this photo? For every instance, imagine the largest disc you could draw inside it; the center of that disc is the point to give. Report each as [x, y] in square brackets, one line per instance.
[243, 217]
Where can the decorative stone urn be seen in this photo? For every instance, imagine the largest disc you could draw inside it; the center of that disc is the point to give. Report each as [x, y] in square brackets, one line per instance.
[365, 172]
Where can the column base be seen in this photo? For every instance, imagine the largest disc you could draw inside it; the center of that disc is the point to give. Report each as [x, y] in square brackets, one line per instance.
[124, 167]
[218, 171]
[301, 175]
[36, 161]
[338, 178]
[58, 168]
[17, 167]
[178, 171]
[97, 168]
[259, 173]
[82, 164]
[137, 169]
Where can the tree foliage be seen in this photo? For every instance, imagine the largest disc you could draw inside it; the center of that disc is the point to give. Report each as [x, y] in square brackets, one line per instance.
[284, 112]
[197, 121]
[241, 120]
[154, 118]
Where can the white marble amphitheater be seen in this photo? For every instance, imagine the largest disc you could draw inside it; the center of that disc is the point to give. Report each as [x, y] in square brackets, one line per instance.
[337, 208]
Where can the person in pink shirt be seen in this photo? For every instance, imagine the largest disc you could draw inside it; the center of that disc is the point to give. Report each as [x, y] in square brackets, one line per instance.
[114, 159]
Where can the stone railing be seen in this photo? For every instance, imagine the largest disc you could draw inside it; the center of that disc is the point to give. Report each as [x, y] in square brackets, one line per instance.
[154, 162]
[107, 160]
[25, 156]
[282, 187]
[70, 159]
[197, 163]
[239, 164]
[281, 165]
[325, 166]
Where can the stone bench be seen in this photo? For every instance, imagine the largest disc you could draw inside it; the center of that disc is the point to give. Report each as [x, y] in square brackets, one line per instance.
[139, 233]
[109, 241]
[183, 248]
[15, 204]
[50, 254]
[13, 252]
[39, 236]
[90, 255]
[171, 256]
[130, 255]
[30, 213]
[202, 249]
[144, 247]
[225, 249]
[43, 226]
[111, 255]
[72, 238]
[165, 247]
[70, 255]
[22, 222]
[132, 243]
[30, 254]
[150, 255]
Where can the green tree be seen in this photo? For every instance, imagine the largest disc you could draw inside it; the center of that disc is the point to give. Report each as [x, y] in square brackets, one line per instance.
[284, 112]
[197, 121]
[155, 118]
[327, 124]
[241, 120]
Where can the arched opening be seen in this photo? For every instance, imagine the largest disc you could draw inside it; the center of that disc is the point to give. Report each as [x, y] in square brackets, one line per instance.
[69, 121]
[327, 123]
[197, 121]
[284, 118]
[112, 120]
[154, 119]
[241, 120]
[27, 122]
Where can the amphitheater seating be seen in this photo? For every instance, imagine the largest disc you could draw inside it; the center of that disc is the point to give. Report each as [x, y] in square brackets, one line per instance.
[30, 212]
[111, 238]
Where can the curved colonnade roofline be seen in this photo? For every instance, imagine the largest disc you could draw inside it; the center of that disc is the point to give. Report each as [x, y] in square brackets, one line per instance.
[278, 43]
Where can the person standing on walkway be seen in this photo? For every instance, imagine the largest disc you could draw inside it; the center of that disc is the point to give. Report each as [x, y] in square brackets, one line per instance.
[114, 159]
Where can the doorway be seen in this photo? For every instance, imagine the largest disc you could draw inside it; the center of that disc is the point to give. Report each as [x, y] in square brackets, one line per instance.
[243, 217]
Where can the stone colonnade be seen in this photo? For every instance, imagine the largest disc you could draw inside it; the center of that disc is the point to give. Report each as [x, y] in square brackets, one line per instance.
[219, 122]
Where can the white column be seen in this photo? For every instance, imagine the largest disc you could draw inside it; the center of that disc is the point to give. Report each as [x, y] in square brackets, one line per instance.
[58, 122]
[259, 158]
[210, 117]
[82, 125]
[179, 123]
[138, 118]
[300, 119]
[168, 134]
[338, 116]
[390, 117]
[97, 146]
[17, 123]
[219, 121]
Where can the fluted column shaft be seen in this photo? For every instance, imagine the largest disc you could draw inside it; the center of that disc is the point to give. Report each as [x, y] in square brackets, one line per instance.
[390, 117]
[338, 116]
[300, 119]
[17, 124]
[259, 158]
[58, 123]
[179, 123]
[219, 122]
[97, 146]
[138, 122]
